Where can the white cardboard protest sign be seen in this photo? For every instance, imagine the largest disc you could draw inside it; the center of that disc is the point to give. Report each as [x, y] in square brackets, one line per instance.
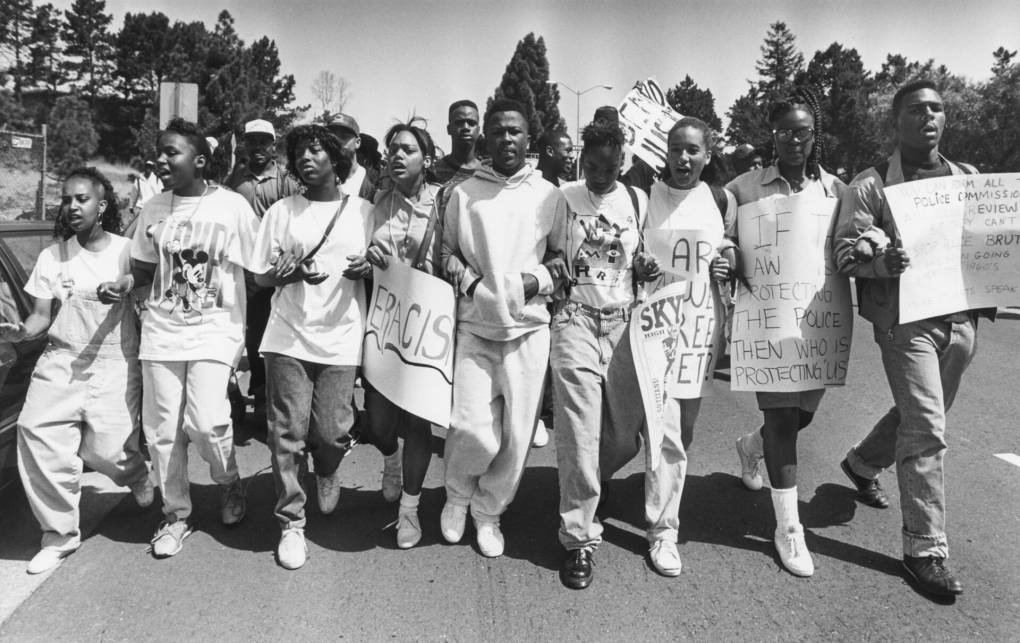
[793, 324]
[409, 335]
[962, 234]
[646, 118]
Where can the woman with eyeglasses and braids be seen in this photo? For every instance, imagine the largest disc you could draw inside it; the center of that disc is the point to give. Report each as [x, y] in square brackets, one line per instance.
[796, 128]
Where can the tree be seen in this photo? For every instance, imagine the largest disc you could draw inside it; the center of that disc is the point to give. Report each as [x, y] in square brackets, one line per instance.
[45, 63]
[73, 139]
[998, 127]
[843, 85]
[332, 92]
[780, 61]
[87, 39]
[525, 80]
[15, 31]
[691, 100]
[138, 54]
[747, 122]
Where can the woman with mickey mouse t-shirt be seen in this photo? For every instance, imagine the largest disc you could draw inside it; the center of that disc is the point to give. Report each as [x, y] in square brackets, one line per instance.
[192, 244]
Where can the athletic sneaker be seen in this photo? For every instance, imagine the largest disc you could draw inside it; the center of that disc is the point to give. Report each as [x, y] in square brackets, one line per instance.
[451, 522]
[46, 560]
[391, 477]
[232, 503]
[793, 552]
[169, 538]
[292, 550]
[408, 527]
[665, 557]
[489, 538]
[750, 464]
[143, 491]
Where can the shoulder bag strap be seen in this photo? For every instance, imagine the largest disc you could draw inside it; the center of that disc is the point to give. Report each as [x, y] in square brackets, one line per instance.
[329, 228]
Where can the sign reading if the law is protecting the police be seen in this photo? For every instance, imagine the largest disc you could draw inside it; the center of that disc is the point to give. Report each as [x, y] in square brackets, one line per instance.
[409, 335]
[792, 325]
[646, 118]
[962, 235]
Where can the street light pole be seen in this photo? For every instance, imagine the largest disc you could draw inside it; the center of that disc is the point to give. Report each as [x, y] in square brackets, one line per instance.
[577, 113]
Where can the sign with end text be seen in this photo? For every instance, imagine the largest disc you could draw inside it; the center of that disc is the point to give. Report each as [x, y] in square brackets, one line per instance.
[962, 234]
[409, 336]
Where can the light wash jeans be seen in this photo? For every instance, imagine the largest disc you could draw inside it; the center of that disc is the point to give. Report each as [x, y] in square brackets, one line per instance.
[583, 347]
[309, 413]
[924, 362]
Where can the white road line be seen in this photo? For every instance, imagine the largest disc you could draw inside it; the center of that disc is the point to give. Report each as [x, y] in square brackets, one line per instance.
[1011, 458]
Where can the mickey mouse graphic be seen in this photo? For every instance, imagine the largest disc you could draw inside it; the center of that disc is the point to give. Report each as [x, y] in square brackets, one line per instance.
[190, 275]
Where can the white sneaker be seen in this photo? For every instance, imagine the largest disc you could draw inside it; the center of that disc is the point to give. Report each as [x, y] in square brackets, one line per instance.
[328, 488]
[391, 477]
[451, 522]
[541, 435]
[489, 538]
[793, 552]
[143, 491]
[408, 527]
[750, 464]
[665, 557]
[292, 551]
[46, 560]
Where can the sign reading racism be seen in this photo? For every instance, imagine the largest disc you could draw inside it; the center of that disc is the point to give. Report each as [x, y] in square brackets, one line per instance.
[646, 118]
[793, 323]
[409, 335]
[962, 234]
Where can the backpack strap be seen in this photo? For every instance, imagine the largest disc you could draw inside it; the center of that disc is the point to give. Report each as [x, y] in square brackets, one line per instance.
[634, 284]
[427, 240]
[721, 202]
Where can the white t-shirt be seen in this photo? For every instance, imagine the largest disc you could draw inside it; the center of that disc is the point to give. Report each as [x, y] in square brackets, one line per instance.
[603, 232]
[322, 323]
[84, 269]
[693, 209]
[197, 301]
[352, 186]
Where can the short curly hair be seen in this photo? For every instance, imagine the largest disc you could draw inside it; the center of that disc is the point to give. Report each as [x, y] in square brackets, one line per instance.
[109, 220]
[338, 156]
[195, 138]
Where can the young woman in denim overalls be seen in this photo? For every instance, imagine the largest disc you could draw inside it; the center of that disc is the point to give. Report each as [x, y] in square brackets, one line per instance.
[83, 401]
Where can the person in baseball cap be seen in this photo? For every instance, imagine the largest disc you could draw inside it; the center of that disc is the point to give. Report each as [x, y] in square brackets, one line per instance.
[358, 183]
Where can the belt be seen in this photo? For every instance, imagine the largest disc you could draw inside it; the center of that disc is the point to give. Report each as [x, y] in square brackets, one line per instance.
[606, 312]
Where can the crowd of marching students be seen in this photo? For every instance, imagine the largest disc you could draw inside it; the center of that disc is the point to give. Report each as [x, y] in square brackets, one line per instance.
[276, 261]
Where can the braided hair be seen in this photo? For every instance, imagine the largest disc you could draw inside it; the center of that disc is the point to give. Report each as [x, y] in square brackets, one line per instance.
[109, 218]
[804, 98]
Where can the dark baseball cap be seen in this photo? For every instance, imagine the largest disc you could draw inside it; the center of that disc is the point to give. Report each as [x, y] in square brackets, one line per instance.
[347, 122]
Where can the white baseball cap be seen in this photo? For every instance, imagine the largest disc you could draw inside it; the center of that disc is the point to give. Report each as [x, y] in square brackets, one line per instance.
[260, 126]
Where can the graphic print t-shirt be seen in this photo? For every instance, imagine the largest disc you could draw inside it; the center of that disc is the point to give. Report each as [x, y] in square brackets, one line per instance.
[200, 246]
[602, 236]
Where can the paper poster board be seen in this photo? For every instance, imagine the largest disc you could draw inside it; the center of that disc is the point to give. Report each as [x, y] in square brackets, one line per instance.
[962, 235]
[646, 118]
[793, 321]
[409, 335]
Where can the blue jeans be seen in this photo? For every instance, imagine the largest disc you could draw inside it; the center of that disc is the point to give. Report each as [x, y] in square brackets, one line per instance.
[924, 362]
[309, 413]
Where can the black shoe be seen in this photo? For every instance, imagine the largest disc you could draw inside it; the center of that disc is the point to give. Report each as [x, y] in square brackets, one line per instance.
[575, 572]
[931, 575]
[868, 491]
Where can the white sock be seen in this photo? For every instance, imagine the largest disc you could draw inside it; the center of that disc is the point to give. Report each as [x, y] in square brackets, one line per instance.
[754, 442]
[409, 501]
[784, 501]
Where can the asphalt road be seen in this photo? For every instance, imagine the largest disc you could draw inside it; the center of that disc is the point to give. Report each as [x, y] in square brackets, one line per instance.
[225, 584]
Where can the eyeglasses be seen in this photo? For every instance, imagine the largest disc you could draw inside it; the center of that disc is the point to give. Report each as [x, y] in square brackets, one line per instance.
[802, 135]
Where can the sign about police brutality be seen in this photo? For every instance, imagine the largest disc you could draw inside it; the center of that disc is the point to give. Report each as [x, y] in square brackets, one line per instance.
[646, 118]
[962, 234]
[409, 334]
[792, 325]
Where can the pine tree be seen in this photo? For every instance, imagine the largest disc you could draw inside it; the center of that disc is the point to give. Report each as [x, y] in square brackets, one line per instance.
[45, 63]
[690, 100]
[15, 38]
[138, 54]
[73, 139]
[780, 61]
[525, 80]
[87, 38]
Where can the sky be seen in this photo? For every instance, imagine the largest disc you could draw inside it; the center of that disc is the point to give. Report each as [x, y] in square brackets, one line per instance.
[416, 57]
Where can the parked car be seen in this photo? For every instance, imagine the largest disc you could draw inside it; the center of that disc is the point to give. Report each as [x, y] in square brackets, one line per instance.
[20, 245]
